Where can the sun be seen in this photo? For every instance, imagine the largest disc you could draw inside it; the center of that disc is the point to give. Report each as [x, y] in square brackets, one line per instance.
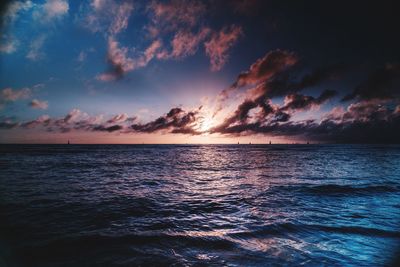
[206, 124]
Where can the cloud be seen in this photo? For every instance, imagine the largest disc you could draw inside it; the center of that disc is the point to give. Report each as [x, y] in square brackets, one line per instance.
[11, 95]
[108, 16]
[112, 128]
[375, 118]
[14, 9]
[218, 46]
[364, 110]
[73, 115]
[186, 43]
[37, 104]
[263, 70]
[121, 17]
[175, 31]
[9, 46]
[150, 52]
[302, 102]
[98, 4]
[43, 120]
[45, 12]
[175, 121]
[377, 129]
[8, 125]
[35, 47]
[82, 56]
[51, 10]
[171, 15]
[74, 120]
[368, 121]
[55, 8]
[266, 67]
[118, 118]
[120, 62]
[383, 83]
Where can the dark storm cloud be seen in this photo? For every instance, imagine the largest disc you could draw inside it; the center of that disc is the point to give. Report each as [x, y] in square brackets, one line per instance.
[260, 72]
[382, 127]
[288, 83]
[175, 121]
[112, 128]
[319, 75]
[300, 102]
[383, 83]
[371, 120]
[8, 125]
[264, 68]
[238, 122]
[272, 76]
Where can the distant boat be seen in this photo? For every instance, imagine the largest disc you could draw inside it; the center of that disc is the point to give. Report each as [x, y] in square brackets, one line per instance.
[270, 142]
[68, 142]
[238, 142]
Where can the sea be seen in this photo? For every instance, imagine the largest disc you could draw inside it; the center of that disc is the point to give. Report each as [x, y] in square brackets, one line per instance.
[199, 205]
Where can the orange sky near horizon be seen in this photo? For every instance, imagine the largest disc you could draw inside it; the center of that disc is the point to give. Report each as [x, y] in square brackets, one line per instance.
[27, 137]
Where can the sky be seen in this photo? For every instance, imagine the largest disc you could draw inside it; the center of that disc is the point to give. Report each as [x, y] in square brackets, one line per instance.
[104, 71]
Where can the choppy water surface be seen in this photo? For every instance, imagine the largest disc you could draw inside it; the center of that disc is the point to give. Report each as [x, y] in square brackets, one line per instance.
[246, 205]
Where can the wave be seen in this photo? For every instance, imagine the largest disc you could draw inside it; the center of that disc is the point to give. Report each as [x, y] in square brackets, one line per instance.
[285, 228]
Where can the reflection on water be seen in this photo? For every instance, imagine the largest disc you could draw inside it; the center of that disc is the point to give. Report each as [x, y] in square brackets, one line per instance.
[208, 204]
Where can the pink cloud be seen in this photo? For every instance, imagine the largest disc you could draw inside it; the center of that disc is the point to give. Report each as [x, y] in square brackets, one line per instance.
[118, 118]
[121, 63]
[149, 53]
[108, 16]
[186, 43]
[266, 67]
[55, 8]
[176, 12]
[218, 46]
[42, 120]
[73, 115]
[8, 94]
[37, 104]
[121, 17]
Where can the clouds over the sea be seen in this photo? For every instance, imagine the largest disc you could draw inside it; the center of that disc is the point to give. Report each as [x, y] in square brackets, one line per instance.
[177, 120]
[274, 76]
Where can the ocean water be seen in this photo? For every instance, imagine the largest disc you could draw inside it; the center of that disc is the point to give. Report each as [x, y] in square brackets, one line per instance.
[199, 205]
